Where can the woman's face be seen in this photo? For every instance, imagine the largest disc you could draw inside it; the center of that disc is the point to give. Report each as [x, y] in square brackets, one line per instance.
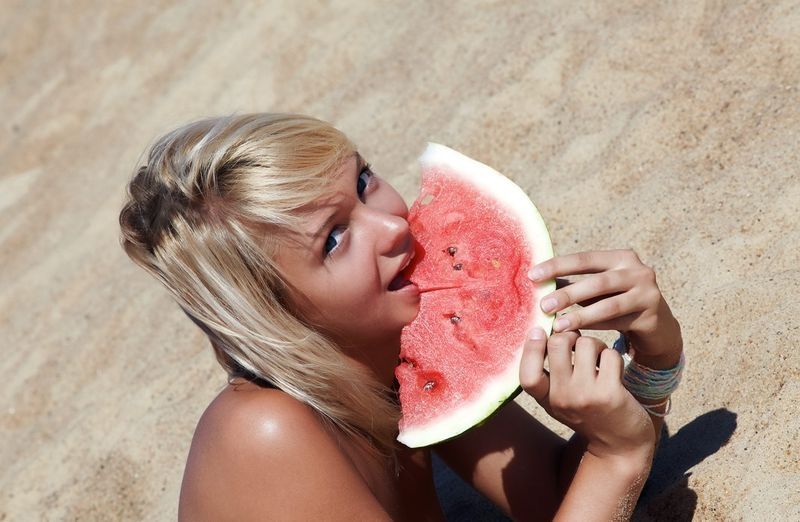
[354, 244]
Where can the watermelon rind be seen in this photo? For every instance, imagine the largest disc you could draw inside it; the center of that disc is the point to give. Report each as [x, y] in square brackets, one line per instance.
[499, 388]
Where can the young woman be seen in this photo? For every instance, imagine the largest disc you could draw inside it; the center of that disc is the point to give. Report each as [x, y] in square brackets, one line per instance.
[279, 242]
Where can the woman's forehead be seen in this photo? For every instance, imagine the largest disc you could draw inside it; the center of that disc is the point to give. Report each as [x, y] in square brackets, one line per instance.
[347, 164]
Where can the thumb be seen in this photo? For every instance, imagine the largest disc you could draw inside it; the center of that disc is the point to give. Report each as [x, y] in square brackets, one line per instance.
[532, 376]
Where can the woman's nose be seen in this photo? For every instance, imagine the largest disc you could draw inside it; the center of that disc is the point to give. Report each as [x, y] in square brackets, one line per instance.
[391, 231]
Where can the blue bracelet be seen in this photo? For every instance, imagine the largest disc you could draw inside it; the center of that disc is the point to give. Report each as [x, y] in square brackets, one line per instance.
[647, 383]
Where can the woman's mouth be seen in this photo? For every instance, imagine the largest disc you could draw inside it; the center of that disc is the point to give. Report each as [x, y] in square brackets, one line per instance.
[398, 282]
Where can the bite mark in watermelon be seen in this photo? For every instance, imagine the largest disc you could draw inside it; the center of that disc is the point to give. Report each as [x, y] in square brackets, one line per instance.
[477, 236]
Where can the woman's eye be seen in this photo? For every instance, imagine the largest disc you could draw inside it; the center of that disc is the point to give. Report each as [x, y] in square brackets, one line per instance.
[333, 241]
[364, 178]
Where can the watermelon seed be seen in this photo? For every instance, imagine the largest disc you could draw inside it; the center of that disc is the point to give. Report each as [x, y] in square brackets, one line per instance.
[429, 385]
[455, 319]
[452, 250]
[457, 266]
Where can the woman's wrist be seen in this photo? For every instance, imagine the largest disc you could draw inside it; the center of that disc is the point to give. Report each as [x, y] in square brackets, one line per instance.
[624, 453]
[627, 465]
[663, 361]
[606, 487]
[651, 378]
[665, 355]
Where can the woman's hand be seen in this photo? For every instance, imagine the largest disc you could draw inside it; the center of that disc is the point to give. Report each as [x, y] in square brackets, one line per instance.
[620, 293]
[589, 399]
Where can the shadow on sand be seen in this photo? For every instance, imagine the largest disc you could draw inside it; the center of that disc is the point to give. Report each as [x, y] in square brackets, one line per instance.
[666, 495]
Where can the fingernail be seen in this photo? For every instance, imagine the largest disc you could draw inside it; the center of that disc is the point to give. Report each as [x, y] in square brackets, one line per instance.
[549, 304]
[535, 274]
[537, 334]
[562, 323]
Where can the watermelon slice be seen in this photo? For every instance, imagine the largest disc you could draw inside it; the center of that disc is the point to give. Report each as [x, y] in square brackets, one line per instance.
[477, 236]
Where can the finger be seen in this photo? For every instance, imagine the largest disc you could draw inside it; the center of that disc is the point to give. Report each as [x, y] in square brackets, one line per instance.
[611, 367]
[602, 311]
[583, 263]
[624, 323]
[587, 350]
[562, 282]
[532, 376]
[592, 288]
[559, 355]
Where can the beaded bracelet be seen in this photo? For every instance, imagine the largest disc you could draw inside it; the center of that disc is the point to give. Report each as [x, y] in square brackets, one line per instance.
[647, 383]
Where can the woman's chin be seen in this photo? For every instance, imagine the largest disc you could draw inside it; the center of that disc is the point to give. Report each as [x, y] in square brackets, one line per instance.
[408, 313]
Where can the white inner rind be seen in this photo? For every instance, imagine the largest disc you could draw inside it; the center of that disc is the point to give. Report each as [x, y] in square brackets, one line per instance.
[507, 195]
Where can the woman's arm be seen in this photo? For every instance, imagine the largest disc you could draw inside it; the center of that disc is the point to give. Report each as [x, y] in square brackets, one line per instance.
[613, 435]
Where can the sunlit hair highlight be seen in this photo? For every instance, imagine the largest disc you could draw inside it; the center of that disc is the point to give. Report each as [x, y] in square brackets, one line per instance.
[206, 215]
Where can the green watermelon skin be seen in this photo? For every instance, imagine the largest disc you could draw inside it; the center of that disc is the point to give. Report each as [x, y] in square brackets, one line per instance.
[477, 235]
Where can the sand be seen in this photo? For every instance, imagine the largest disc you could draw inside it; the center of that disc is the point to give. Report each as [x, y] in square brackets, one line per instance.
[669, 127]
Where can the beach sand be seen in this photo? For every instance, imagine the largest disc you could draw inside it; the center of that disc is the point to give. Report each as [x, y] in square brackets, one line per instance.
[672, 128]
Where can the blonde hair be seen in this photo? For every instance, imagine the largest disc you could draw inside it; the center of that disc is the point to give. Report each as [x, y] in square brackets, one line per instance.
[205, 215]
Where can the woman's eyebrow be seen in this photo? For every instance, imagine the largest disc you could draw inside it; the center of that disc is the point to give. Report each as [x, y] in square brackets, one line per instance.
[360, 164]
[321, 230]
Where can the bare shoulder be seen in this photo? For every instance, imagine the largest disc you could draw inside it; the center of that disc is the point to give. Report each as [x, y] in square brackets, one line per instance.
[258, 453]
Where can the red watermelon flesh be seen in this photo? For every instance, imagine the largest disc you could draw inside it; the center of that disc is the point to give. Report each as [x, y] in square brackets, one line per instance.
[477, 235]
